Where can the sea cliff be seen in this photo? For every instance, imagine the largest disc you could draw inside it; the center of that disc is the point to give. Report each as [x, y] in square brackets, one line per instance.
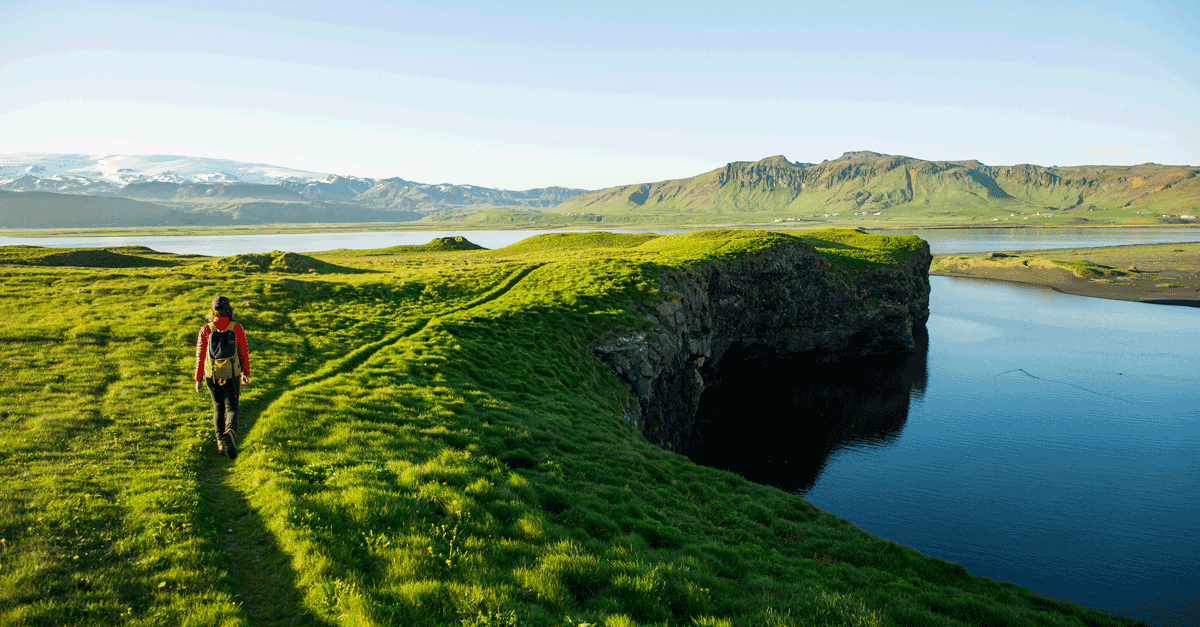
[785, 299]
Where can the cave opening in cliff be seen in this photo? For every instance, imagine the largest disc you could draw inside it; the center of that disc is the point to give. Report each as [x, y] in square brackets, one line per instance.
[777, 419]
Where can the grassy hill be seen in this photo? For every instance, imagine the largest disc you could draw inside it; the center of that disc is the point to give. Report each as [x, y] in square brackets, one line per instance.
[426, 440]
[867, 186]
[47, 210]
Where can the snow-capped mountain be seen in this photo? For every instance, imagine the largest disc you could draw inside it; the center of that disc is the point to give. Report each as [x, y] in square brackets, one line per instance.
[39, 190]
[91, 174]
[172, 177]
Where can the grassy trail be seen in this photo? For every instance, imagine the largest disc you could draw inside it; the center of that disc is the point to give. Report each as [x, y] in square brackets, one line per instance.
[260, 571]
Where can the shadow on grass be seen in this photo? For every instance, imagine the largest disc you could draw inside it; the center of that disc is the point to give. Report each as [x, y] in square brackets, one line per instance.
[259, 572]
[119, 257]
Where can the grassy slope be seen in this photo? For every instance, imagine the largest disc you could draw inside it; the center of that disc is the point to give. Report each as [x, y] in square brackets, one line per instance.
[907, 191]
[28, 210]
[426, 440]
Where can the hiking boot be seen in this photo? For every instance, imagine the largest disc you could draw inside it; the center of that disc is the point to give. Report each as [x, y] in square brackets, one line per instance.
[220, 446]
[230, 447]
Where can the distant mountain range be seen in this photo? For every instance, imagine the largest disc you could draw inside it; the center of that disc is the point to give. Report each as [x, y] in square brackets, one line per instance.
[126, 190]
[868, 182]
[62, 191]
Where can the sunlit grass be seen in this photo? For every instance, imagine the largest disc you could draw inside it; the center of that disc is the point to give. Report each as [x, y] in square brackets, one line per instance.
[427, 440]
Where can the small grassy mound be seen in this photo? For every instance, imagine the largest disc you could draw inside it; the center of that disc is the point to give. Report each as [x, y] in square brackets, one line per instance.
[277, 261]
[109, 257]
[456, 242]
[573, 241]
[1080, 268]
[453, 244]
[1085, 269]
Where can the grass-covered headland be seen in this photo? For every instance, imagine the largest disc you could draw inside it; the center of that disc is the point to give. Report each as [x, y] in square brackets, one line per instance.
[426, 440]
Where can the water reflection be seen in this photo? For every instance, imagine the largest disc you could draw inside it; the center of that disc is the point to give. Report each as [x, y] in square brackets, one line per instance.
[778, 421]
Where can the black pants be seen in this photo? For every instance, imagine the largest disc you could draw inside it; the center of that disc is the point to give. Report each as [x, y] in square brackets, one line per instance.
[225, 403]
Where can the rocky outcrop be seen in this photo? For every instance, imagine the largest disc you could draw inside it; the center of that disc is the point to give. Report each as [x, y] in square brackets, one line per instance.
[786, 299]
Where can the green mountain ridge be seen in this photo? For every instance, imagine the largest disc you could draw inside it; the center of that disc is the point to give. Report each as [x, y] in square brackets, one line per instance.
[48, 210]
[41, 210]
[866, 181]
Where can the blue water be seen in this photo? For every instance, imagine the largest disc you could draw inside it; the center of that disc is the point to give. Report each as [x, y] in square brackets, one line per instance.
[222, 245]
[984, 240]
[1043, 439]
[940, 240]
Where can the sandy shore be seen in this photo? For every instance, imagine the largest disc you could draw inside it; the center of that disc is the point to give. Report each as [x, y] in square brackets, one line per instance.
[1166, 274]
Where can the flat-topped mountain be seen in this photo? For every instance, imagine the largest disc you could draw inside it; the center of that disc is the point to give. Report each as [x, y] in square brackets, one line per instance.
[867, 181]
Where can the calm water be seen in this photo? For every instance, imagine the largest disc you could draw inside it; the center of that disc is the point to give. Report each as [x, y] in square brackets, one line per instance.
[221, 245]
[983, 240]
[940, 240]
[1048, 440]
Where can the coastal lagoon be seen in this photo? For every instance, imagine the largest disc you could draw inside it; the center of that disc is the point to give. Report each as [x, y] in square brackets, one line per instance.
[940, 240]
[985, 240]
[222, 245]
[1038, 438]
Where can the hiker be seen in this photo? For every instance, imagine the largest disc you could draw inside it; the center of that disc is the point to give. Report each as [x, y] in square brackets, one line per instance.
[223, 364]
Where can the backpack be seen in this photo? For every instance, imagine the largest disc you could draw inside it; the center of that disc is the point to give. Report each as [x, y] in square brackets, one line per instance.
[222, 362]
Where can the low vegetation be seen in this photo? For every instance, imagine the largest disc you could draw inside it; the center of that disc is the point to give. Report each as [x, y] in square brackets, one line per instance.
[1142, 272]
[1080, 268]
[426, 440]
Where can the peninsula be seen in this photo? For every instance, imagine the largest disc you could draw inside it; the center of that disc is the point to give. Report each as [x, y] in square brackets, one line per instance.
[445, 435]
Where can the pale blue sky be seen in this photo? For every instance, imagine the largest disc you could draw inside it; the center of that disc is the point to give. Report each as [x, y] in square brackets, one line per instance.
[527, 94]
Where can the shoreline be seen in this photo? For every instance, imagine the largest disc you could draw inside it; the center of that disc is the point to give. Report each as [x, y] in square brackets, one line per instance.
[1128, 297]
[1160, 274]
[343, 227]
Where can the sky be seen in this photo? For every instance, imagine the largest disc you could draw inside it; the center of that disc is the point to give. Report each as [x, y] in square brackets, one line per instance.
[529, 94]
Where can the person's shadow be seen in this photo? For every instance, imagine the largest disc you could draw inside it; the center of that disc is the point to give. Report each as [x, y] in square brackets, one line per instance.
[259, 575]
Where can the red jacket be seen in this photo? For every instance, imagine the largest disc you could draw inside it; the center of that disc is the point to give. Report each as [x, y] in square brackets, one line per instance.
[222, 324]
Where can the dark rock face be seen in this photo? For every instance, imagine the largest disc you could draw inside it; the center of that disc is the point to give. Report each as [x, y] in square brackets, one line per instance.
[787, 299]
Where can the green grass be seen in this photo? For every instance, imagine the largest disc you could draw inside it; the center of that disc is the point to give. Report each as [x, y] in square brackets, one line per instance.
[1085, 269]
[1081, 268]
[426, 440]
